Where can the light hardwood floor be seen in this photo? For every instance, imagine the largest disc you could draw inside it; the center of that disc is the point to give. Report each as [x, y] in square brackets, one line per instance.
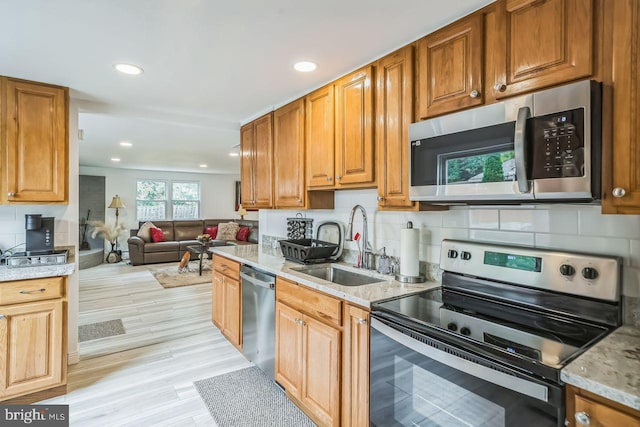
[145, 377]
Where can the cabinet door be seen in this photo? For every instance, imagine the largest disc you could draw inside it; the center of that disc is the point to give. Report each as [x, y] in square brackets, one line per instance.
[321, 371]
[288, 154]
[450, 68]
[232, 326]
[542, 43]
[394, 110]
[354, 130]
[355, 374]
[263, 166]
[600, 415]
[217, 309]
[36, 143]
[247, 161]
[320, 139]
[289, 349]
[625, 166]
[31, 344]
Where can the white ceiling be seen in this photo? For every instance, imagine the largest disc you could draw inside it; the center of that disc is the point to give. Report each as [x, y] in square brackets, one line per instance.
[209, 64]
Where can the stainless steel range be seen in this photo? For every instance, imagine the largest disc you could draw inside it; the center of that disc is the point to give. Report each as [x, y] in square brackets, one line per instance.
[486, 349]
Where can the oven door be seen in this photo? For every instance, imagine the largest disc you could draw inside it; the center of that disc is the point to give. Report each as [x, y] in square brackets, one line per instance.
[421, 381]
[477, 155]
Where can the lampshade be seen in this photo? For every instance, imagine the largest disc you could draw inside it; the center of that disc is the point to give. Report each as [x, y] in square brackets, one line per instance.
[116, 203]
[241, 211]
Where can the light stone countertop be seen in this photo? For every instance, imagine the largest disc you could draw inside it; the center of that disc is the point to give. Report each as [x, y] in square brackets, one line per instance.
[272, 261]
[23, 273]
[611, 368]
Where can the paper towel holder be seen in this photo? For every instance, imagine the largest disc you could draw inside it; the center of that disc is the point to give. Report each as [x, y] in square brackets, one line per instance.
[410, 279]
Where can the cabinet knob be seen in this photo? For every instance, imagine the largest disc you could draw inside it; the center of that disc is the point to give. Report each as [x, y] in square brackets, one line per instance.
[582, 418]
[11, 194]
[2, 317]
[339, 177]
[500, 87]
[619, 192]
[380, 198]
[474, 94]
[362, 321]
[299, 200]
[329, 178]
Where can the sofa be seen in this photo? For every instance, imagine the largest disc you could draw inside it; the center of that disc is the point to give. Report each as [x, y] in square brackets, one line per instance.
[178, 235]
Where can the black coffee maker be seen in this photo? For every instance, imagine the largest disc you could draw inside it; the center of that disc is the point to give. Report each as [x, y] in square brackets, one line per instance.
[40, 234]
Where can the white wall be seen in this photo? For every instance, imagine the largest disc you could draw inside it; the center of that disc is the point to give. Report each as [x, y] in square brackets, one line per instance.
[12, 230]
[566, 227]
[217, 192]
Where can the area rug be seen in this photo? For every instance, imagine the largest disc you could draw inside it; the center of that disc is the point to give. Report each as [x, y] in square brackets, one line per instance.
[248, 398]
[94, 331]
[170, 277]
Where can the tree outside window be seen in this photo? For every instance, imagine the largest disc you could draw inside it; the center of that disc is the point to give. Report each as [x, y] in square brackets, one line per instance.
[151, 200]
[185, 200]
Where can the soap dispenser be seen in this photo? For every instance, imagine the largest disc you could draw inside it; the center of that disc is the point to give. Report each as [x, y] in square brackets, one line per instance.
[384, 263]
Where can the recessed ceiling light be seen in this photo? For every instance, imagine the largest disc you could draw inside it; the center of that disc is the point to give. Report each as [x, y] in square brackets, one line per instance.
[126, 144]
[203, 165]
[129, 69]
[305, 66]
[115, 159]
[233, 154]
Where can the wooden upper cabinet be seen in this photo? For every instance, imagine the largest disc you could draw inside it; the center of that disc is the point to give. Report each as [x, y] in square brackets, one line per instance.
[36, 141]
[288, 154]
[354, 130]
[542, 43]
[623, 195]
[450, 64]
[320, 138]
[256, 163]
[394, 113]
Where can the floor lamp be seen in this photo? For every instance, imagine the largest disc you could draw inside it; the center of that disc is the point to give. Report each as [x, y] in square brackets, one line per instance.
[116, 204]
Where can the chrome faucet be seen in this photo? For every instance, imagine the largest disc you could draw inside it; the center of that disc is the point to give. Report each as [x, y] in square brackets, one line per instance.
[367, 255]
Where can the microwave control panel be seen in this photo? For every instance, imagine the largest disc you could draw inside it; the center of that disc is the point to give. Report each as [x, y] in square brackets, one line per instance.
[558, 145]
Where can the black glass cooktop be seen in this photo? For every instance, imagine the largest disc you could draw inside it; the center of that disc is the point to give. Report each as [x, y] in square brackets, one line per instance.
[542, 337]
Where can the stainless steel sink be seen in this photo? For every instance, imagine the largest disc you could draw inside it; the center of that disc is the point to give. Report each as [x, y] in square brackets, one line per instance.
[338, 275]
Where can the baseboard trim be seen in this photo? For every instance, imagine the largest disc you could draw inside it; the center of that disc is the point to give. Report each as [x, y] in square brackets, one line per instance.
[73, 358]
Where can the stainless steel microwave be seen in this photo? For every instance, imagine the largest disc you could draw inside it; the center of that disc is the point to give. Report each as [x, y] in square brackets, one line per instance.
[540, 147]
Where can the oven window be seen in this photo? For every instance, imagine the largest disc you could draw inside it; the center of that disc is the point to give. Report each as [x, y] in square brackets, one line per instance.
[473, 156]
[490, 164]
[410, 389]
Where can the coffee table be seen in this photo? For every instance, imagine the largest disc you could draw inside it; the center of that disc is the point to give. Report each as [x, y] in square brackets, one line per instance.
[202, 249]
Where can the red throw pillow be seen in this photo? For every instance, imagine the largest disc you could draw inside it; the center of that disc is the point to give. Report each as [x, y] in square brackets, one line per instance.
[243, 234]
[157, 235]
[211, 231]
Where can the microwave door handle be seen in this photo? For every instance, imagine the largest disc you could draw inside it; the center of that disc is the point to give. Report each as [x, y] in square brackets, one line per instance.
[520, 149]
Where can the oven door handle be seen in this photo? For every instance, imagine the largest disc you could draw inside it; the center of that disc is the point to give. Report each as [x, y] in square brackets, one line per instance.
[520, 149]
[520, 385]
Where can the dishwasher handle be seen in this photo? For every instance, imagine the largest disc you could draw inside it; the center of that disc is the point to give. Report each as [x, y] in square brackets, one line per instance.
[257, 277]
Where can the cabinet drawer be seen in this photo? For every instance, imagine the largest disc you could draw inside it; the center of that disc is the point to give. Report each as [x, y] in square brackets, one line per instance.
[31, 290]
[227, 267]
[309, 301]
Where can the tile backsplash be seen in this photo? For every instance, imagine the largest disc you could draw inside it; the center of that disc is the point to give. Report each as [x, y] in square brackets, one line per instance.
[12, 231]
[579, 228]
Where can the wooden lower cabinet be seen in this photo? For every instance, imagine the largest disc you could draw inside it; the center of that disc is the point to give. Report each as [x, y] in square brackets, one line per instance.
[355, 373]
[308, 358]
[33, 353]
[226, 310]
[587, 409]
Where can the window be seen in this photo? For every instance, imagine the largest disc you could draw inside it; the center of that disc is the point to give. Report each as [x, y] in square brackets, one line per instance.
[153, 199]
[185, 200]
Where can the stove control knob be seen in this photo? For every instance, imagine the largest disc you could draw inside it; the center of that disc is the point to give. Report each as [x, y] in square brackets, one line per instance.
[452, 253]
[465, 331]
[465, 255]
[567, 270]
[452, 327]
[589, 273]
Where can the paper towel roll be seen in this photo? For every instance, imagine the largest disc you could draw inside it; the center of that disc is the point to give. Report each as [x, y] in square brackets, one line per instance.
[409, 242]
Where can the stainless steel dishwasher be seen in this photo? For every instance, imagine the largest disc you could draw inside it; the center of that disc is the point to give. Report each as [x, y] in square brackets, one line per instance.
[258, 318]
